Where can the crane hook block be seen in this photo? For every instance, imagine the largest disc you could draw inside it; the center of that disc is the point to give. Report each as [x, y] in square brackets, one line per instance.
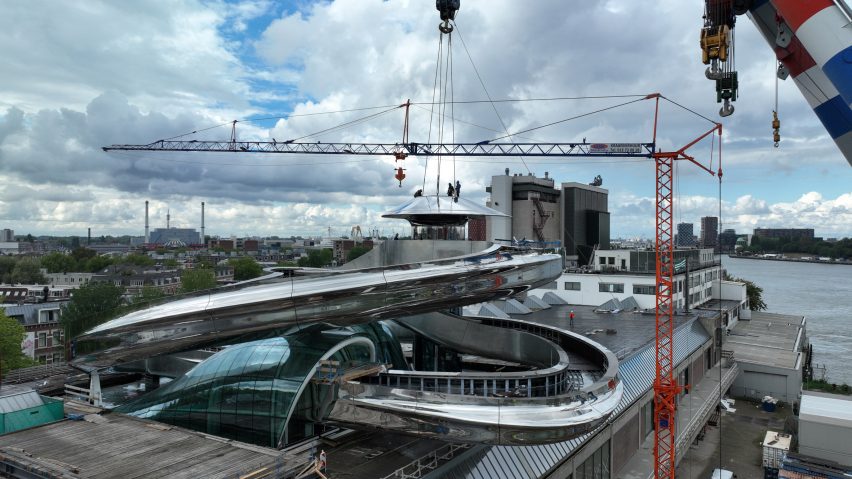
[776, 127]
[400, 175]
[448, 9]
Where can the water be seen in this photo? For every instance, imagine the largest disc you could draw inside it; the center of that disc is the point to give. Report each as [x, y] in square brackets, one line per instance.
[822, 293]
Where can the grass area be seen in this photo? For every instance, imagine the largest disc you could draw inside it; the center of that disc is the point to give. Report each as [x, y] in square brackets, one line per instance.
[825, 386]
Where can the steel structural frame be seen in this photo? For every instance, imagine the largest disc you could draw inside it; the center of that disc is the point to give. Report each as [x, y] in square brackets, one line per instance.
[665, 383]
[646, 150]
[666, 387]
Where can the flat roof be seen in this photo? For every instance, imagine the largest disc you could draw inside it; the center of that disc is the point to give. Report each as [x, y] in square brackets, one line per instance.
[622, 333]
[826, 408]
[770, 339]
[102, 446]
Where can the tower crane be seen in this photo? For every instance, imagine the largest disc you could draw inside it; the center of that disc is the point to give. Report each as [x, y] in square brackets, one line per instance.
[665, 386]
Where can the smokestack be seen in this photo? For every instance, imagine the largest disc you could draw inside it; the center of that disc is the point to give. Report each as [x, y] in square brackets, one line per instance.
[202, 223]
[89, 237]
[168, 218]
[147, 235]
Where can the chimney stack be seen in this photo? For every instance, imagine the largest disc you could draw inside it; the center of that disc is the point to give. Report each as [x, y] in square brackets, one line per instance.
[168, 218]
[89, 237]
[147, 235]
[202, 223]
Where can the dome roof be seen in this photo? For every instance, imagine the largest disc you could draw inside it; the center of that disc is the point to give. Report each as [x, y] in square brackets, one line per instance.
[439, 211]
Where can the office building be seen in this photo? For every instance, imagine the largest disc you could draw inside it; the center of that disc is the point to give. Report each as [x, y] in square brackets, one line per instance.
[685, 236]
[585, 220]
[709, 232]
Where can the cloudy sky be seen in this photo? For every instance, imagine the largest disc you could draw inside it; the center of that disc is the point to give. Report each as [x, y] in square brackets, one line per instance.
[80, 75]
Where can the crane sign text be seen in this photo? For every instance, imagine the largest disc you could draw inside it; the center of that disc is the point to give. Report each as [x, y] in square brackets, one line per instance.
[615, 148]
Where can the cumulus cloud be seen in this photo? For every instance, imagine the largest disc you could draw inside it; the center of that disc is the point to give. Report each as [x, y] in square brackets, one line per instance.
[80, 76]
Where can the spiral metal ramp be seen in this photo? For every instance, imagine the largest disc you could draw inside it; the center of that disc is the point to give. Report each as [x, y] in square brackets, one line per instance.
[371, 348]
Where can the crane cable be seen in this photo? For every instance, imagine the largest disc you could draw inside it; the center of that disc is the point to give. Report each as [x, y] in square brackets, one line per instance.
[432, 107]
[481, 82]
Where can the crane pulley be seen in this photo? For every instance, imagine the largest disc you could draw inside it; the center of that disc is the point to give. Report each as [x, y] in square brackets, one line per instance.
[448, 9]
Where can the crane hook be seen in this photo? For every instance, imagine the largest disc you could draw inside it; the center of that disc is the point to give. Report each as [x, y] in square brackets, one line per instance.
[727, 109]
[448, 10]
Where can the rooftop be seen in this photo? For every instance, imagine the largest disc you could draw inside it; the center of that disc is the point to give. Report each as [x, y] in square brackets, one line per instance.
[116, 442]
[622, 333]
[827, 408]
[768, 338]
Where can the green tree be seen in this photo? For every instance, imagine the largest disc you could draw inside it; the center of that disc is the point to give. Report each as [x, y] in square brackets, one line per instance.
[91, 305]
[317, 258]
[197, 279]
[58, 263]
[170, 263]
[97, 263]
[148, 295]
[356, 251]
[754, 293]
[12, 334]
[138, 260]
[82, 254]
[28, 271]
[245, 267]
[7, 264]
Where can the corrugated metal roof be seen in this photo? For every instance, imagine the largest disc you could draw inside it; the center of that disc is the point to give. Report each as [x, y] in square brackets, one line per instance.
[525, 462]
[20, 401]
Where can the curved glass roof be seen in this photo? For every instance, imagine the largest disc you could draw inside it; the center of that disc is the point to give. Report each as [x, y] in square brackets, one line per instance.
[247, 391]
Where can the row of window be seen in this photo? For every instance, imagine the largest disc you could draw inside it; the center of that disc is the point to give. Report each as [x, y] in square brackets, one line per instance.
[57, 334]
[611, 287]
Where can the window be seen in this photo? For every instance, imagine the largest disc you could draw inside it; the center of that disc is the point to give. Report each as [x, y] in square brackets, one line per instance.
[42, 340]
[612, 260]
[623, 263]
[611, 287]
[647, 418]
[572, 286]
[603, 260]
[595, 466]
[57, 336]
[643, 289]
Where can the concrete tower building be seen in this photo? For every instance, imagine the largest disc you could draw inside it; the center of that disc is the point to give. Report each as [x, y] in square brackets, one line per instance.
[710, 232]
[585, 220]
[533, 206]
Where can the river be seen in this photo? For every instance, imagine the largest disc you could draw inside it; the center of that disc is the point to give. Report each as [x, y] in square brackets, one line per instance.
[822, 293]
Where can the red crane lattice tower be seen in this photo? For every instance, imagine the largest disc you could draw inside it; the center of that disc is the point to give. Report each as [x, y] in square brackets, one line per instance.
[666, 387]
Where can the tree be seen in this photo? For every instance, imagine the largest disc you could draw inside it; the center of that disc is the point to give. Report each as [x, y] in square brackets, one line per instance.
[82, 254]
[356, 251]
[97, 263]
[196, 280]
[28, 271]
[754, 293]
[7, 264]
[148, 295]
[245, 267]
[138, 260]
[317, 258]
[12, 334]
[91, 305]
[58, 263]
